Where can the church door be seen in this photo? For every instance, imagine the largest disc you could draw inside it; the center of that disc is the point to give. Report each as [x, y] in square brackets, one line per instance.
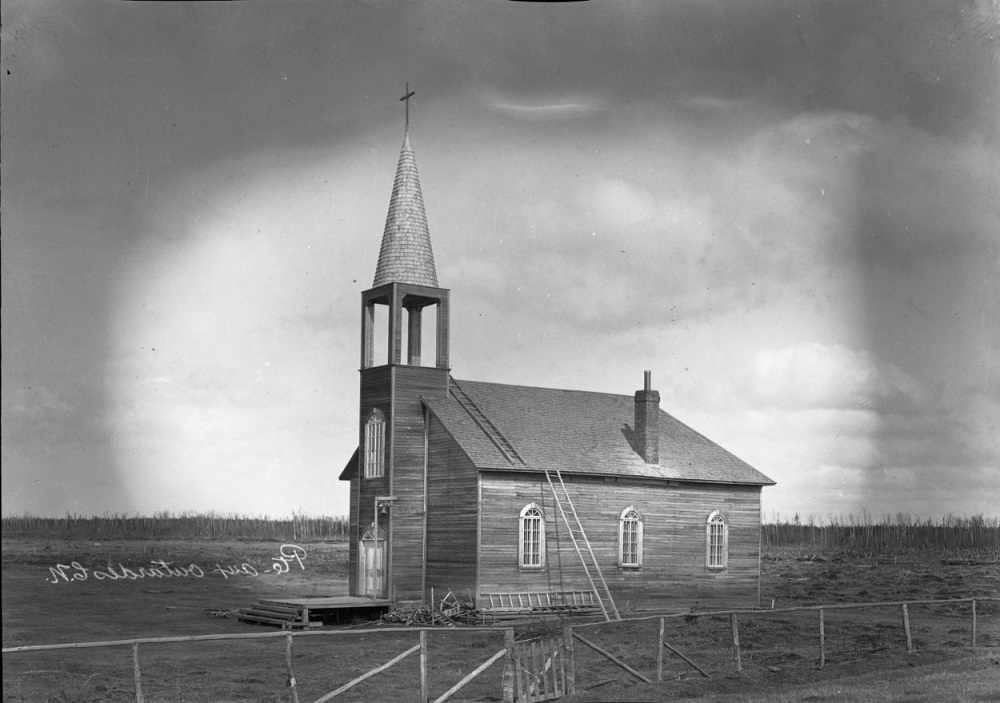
[371, 565]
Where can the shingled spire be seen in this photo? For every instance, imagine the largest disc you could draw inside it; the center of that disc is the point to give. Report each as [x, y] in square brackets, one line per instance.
[406, 256]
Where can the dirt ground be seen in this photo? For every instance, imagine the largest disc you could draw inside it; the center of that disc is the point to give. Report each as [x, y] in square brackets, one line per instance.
[58, 592]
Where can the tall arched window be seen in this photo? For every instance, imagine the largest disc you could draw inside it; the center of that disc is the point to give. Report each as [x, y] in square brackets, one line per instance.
[531, 538]
[716, 542]
[630, 539]
[375, 444]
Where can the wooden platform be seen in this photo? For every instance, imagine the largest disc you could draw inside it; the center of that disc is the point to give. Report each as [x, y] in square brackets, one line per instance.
[308, 612]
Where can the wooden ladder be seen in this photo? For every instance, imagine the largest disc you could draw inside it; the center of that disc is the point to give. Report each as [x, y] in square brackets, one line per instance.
[491, 430]
[603, 594]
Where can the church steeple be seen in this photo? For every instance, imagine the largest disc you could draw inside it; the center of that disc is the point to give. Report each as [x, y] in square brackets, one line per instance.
[405, 276]
[406, 255]
[411, 366]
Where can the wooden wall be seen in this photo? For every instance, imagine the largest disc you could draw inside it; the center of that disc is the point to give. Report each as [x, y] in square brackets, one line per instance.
[406, 467]
[353, 536]
[452, 518]
[673, 574]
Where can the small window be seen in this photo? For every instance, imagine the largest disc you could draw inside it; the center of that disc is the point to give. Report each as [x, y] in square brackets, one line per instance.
[531, 543]
[716, 542]
[375, 444]
[630, 539]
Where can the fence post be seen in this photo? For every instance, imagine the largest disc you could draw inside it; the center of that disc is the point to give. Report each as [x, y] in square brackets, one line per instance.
[137, 673]
[288, 667]
[570, 660]
[906, 629]
[736, 642]
[424, 695]
[822, 640]
[508, 666]
[973, 622]
[659, 654]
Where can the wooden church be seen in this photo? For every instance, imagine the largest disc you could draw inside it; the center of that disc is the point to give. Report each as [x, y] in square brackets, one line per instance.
[511, 495]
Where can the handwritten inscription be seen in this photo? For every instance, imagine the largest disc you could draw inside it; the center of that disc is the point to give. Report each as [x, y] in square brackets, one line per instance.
[290, 556]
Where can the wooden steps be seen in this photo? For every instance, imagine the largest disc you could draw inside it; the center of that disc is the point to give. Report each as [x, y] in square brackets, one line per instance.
[299, 613]
[284, 615]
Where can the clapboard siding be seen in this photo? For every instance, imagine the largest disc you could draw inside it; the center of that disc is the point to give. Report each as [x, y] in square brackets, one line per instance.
[353, 539]
[407, 471]
[451, 514]
[673, 575]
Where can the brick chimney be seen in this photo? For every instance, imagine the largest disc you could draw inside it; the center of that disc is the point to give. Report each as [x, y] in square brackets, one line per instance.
[647, 414]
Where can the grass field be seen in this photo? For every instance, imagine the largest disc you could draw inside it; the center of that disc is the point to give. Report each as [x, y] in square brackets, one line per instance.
[44, 604]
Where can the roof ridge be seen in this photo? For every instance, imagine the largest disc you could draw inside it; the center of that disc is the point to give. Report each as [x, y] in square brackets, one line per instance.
[551, 389]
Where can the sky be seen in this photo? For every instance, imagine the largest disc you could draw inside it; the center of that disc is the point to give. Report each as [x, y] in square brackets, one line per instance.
[786, 210]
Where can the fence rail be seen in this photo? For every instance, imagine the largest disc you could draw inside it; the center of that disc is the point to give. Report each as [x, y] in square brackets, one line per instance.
[508, 651]
[819, 609]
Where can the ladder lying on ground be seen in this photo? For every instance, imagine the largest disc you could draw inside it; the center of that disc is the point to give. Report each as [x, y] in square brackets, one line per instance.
[577, 535]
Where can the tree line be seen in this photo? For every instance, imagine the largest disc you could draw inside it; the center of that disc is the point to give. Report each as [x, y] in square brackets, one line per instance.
[898, 534]
[185, 526]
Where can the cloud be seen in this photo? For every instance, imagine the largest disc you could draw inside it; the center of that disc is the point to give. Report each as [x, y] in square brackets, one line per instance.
[668, 224]
[854, 424]
[818, 376]
[926, 197]
[546, 108]
[231, 357]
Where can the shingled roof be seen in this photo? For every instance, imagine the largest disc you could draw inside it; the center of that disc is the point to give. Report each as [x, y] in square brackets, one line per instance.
[406, 255]
[581, 432]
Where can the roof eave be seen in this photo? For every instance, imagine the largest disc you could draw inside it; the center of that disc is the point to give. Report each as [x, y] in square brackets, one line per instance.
[351, 469]
[520, 468]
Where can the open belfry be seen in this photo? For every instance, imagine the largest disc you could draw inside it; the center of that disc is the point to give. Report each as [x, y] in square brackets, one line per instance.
[526, 499]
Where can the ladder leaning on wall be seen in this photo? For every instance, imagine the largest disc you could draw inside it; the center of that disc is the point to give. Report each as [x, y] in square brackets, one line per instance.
[577, 535]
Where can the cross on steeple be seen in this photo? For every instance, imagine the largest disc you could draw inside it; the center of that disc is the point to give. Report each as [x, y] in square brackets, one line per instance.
[406, 99]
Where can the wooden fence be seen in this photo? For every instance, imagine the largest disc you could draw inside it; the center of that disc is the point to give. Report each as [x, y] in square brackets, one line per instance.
[820, 610]
[292, 683]
[534, 670]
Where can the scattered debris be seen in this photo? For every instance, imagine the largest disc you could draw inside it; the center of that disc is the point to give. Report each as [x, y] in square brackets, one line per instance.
[449, 612]
[218, 613]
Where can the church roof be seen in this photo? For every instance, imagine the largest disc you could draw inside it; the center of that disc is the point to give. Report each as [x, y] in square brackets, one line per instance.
[406, 255]
[580, 432]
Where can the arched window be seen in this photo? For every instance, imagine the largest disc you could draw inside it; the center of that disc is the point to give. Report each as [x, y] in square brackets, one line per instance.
[375, 444]
[531, 538]
[630, 539]
[716, 542]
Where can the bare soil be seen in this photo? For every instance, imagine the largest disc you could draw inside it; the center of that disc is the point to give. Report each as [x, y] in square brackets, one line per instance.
[108, 596]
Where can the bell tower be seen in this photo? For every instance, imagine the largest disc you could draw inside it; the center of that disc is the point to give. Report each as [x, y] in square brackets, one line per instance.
[405, 277]
[387, 492]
